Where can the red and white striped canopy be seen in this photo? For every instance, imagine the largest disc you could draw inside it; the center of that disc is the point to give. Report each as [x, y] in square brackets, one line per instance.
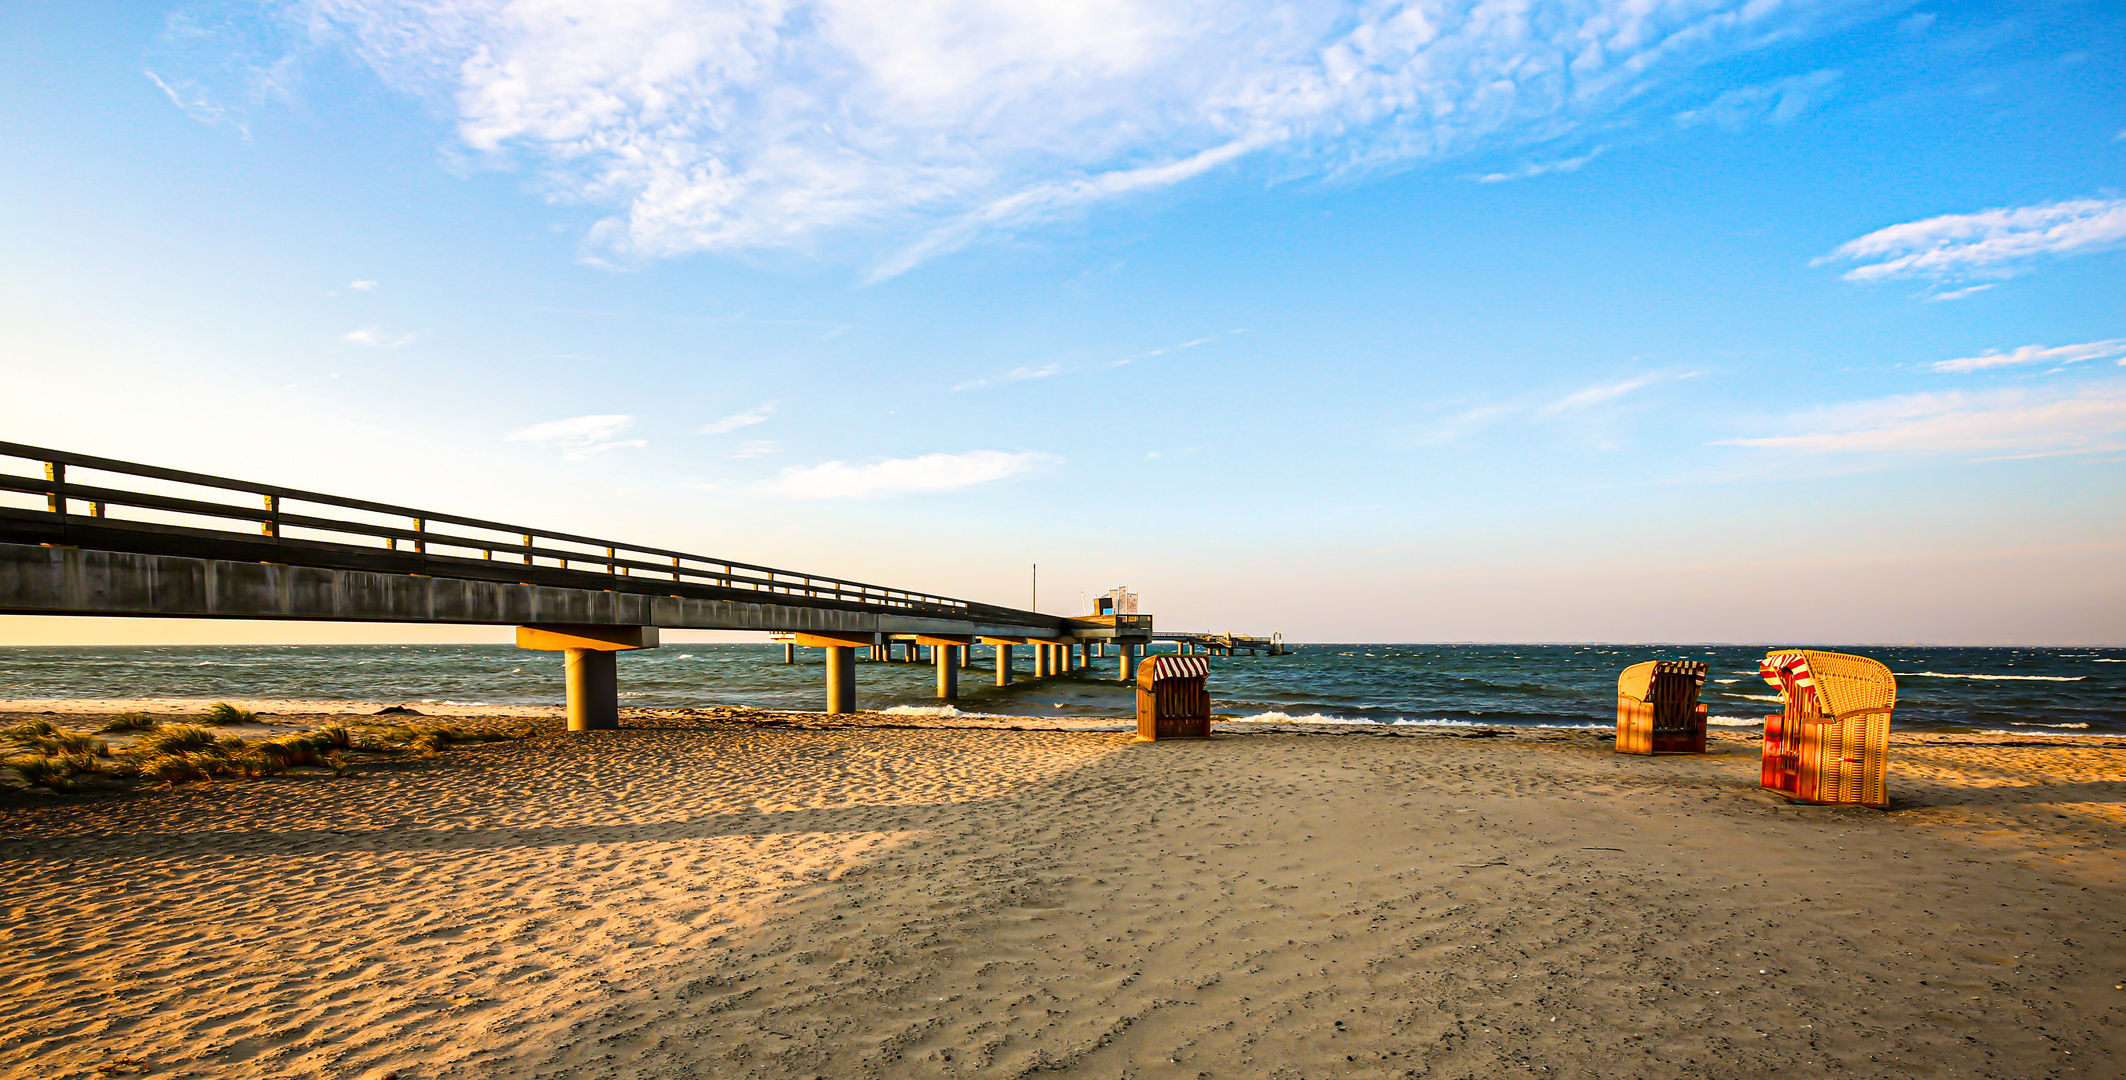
[1789, 672]
[1179, 667]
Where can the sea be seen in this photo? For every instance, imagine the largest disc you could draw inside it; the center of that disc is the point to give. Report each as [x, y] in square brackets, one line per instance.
[2032, 691]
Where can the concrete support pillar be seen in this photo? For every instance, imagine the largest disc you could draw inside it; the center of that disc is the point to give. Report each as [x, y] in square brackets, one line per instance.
[948, 671]
[841, 678]
[789, 653]
[1041, 659]
[966, 655]
[1003, 664]
[593, 689]
[1129, 662]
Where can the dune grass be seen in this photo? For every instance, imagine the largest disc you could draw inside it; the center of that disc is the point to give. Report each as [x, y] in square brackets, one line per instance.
[222, 714]
[128, 721]
[49, 757]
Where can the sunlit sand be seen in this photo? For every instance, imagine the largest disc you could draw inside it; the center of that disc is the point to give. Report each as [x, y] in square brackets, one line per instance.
[799, 896]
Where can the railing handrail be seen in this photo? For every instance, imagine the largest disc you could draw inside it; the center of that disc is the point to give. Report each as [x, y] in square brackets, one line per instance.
[617, 558]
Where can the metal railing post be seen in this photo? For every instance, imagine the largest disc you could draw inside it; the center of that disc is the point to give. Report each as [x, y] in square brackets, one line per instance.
[271, 526]
[55, 500]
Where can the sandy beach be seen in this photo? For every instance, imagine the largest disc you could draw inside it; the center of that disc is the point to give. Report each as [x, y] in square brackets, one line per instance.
[729, 893]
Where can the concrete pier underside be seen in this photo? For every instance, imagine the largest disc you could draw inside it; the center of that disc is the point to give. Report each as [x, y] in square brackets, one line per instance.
[36, 580]
[57, 580]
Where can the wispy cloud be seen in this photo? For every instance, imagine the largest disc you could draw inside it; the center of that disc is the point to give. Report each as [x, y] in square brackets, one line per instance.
[1541, 168]
[1461, 425]
[755, 415]
[2036, 354]
[194, 101]
[1990, 243]
[753, 448]
[1778, 102]
[1167, 349]
[376, 337]
[718, 126]
[1591, 396]
[362, 286]
[1964, 293]
[579, 437]
[1017, 374]
[2017, 421]
[903, 476]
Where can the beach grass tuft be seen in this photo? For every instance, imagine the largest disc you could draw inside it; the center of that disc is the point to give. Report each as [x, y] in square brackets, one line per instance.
[43, 770]
[177, 768]
[29, 729]
[128, 721]
[178, 739]
[222, 714]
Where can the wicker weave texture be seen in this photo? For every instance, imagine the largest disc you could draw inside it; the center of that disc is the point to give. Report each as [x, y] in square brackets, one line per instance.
[1850, 685]
[1658, 710]
[1834, 747]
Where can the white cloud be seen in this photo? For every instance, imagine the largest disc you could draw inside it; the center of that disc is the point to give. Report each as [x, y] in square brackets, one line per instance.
[1956, 294]
[1463, 424]
[579, 437]
[1541, 168]
[755, 415]
[362, 286]
[1478, 418]
[1017, 374]
[376, 338]
[753, 448]
[1774, 103]
[1164, 350]
[2012, 421]
[735, 124]
[900, 476]
[1990, 243]
[2036, 354]
[1596, 395]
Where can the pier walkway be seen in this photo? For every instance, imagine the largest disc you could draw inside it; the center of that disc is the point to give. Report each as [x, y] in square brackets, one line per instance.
[1226, 644]
[85, 535]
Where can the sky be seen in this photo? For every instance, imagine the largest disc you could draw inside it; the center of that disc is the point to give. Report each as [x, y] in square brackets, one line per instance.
[1790, 321]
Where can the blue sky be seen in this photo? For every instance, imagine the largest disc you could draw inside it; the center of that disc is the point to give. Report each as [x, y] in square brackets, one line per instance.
[1792, 321]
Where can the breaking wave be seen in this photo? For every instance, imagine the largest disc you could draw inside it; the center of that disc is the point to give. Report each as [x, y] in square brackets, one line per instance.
[2002, 678]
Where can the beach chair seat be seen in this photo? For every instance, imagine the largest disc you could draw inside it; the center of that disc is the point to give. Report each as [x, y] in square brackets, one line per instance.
[1173, 698]
[1658, 710]
[1830, 743]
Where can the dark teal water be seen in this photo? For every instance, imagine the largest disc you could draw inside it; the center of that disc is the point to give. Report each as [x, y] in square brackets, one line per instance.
[2033, 691]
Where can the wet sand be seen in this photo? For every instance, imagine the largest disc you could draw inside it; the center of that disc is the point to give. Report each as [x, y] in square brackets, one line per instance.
[734, 894]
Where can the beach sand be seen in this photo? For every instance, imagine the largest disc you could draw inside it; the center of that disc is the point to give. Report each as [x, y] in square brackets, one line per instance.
[711, 893]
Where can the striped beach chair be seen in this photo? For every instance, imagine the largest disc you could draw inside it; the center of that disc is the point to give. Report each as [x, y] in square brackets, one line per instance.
[1658, 710]
[1173, 698]
[1831, 741]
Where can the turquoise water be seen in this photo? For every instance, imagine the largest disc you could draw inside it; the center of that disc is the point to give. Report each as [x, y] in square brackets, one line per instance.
[2027, 690]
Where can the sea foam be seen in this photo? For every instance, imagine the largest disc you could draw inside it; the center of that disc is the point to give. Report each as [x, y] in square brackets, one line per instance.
[2003, 678]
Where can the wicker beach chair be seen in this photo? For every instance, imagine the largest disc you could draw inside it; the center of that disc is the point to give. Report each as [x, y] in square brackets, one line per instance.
[1831, 744]
[1173, 698]
[1658, 710]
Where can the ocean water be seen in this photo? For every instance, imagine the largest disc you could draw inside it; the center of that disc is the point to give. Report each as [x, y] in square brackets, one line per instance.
[2059, 692]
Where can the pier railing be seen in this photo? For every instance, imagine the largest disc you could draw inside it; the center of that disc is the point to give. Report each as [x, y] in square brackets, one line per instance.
[101, 502]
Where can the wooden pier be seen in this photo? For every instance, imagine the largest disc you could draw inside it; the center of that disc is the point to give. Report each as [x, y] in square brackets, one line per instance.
[1226, 644]
[86, 535]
